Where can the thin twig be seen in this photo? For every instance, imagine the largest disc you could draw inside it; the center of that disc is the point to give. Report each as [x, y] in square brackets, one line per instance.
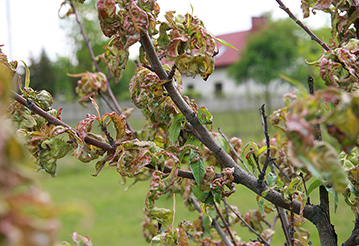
[214, 223]
[304, 27]
[305, 187]
[291, 229]
[260, 238]
[225, 223]
[281, 171]
[234, 151]
[285, 223]
[221, 233]
[265, 130]
[87, 41]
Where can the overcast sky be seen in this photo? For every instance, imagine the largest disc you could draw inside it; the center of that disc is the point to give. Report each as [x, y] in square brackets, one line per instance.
[35, 24]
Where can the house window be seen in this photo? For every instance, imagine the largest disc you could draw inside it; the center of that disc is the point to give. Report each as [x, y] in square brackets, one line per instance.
[218, 88]
[190, 87]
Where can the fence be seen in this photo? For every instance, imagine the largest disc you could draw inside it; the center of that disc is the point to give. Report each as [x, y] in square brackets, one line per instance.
[73, 112]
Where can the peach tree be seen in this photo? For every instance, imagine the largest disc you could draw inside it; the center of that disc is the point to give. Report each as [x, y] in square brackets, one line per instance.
[178, 149]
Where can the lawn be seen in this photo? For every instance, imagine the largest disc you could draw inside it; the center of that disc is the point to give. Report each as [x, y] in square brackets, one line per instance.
[112, 216]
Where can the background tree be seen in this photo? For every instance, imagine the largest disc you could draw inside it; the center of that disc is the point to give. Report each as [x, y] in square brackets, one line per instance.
[43, 73]
[278, 48]
[81, 59]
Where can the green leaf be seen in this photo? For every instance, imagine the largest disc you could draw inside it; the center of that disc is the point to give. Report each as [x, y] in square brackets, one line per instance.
[27, 77]
[221, 41]
[197, 168]
[314, 185]
[264, 148]
[204, 196]
[222, 142]
[175, 127]
[335, 194]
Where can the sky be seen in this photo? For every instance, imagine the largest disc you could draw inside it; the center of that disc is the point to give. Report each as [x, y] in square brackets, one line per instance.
[35, 25]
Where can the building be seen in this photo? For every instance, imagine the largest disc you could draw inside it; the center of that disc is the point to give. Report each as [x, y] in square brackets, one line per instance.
[219, 83]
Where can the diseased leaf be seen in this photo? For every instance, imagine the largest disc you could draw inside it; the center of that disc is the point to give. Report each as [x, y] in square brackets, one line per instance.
[204, 116]
[163, 216]
[322, 4]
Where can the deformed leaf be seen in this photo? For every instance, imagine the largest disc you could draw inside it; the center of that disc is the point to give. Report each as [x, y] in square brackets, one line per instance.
[163, 216]
[204, 116]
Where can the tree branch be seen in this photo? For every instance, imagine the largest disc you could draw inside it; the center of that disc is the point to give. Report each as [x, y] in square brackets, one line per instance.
[265, 130]
[304, 27]
[224, 223]
[354, 237]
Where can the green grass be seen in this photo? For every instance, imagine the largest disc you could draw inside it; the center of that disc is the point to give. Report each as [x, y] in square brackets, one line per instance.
[113, 216]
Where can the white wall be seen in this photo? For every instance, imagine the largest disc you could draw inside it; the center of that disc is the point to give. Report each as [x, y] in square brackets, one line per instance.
[229, 86]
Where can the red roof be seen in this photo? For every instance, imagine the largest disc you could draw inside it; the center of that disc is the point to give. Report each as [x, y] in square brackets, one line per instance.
[227, 55]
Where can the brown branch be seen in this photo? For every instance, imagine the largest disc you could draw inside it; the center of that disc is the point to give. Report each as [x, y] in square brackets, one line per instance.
[265, 130]
[285, 223]
[87, 41]
[354, 237]
[224, 223]
[304, 27]
[260, 238]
